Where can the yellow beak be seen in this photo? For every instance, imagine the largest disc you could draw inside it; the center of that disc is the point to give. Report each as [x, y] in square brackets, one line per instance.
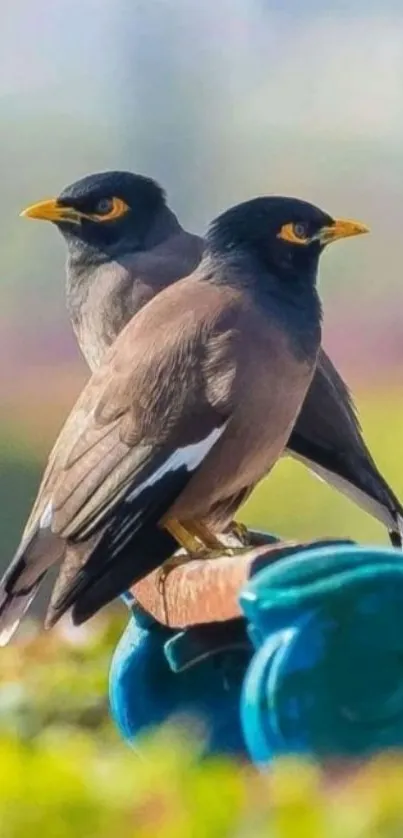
[341, 229]
[52, 211]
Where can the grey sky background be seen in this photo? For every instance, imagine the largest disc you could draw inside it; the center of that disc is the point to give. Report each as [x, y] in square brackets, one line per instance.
[219, 101]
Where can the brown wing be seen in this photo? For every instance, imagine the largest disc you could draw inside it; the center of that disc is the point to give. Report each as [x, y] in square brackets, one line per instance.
[152, 397]
[155, 407]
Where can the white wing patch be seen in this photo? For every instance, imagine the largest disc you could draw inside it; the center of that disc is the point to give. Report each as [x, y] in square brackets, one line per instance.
[15, 608]
[189, 456]
[46, 518]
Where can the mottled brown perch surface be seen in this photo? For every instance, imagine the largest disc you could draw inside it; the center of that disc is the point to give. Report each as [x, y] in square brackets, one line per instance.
[206, 590]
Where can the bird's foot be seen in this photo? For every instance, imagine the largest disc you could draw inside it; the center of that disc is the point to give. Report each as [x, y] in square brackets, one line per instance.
[240, 532]
[224, 552]
[180, 559]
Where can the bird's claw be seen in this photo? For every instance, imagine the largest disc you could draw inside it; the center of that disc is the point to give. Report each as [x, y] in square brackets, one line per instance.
[183, 558]
[240, 532]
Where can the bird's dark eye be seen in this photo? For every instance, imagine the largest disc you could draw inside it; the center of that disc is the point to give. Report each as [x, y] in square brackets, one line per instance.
[295, 233]
[108, 209]
[103, 206]
[301, 230]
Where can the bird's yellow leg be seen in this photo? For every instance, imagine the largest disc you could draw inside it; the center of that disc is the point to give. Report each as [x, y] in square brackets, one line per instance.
[186, 540]
[207, 538]
[182, 535]
[198, 542]
[196, 539]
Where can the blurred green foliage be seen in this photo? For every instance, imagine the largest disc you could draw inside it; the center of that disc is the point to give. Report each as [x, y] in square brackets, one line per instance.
[64, 773]
[57, 679]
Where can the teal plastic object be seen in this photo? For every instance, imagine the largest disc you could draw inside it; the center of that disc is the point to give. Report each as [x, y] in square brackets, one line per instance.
[327, 677]
[158, 674]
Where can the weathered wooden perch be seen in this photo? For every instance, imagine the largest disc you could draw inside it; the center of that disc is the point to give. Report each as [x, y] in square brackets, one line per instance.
[206, 590]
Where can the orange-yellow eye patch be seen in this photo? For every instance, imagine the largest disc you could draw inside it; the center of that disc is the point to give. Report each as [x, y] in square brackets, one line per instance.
[118, 208]
[340, 228]
[294, 233]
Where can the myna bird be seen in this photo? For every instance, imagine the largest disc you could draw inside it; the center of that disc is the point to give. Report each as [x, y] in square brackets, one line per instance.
[193, 404]
[125, 245]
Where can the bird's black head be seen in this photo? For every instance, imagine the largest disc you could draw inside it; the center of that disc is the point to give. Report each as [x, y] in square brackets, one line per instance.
[284, 236]
[109, 211]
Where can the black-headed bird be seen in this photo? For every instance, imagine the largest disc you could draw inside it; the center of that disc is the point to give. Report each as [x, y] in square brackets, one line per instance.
[192, 405]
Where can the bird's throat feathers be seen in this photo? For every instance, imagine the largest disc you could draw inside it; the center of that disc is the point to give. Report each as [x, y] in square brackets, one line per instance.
[290, 300]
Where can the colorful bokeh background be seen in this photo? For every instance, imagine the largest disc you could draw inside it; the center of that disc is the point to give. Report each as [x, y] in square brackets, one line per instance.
[219, 101]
